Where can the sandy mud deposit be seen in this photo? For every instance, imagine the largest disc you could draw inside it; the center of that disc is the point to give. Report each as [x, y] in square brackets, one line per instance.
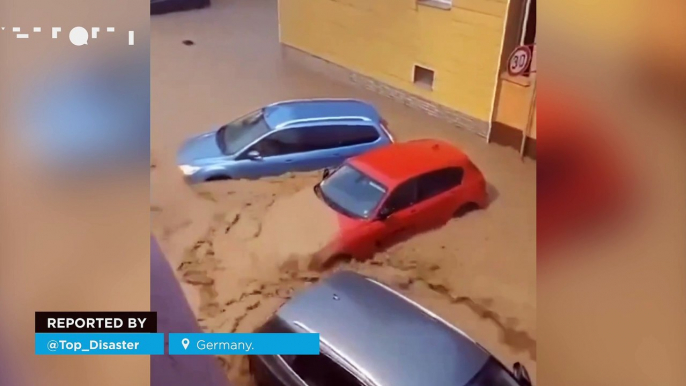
[478, 272]
[241, 250]
[295, 229]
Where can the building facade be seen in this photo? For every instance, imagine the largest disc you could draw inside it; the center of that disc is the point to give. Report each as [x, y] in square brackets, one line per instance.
[513, 120]
[446, 57]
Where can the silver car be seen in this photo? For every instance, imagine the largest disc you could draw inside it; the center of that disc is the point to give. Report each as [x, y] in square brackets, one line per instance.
[371, 335]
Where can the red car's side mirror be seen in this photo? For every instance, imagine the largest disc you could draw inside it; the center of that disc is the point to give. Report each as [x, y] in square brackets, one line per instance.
[384, 213]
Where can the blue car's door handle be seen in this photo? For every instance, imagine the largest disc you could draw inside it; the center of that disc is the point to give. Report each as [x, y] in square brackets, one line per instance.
[289, 160]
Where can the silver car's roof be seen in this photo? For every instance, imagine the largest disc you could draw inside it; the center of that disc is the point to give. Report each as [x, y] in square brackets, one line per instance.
[389, 339]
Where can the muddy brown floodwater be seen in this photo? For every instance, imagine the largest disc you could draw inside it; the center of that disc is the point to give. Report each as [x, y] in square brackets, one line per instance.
[225, 239]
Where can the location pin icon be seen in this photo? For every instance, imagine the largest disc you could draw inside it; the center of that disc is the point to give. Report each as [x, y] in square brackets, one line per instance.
[184, 343]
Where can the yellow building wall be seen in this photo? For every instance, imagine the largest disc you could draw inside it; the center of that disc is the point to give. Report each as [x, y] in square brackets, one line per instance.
[384, 39]
[515, 94]
[514, 104]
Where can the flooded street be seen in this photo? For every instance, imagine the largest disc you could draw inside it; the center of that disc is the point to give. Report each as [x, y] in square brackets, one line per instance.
[478, 272]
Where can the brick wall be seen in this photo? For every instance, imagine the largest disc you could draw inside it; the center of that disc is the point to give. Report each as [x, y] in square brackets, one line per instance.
[454, 117]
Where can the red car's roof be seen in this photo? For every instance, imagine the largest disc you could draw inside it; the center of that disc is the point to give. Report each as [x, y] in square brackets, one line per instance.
[398, 162]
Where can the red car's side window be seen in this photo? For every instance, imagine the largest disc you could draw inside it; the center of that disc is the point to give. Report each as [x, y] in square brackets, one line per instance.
[438, 181]
[404, 196]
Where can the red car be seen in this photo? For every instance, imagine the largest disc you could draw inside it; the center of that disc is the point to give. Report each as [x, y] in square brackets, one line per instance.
[394, 192]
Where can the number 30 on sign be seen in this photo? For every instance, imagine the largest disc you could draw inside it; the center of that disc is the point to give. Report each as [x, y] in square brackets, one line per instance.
[519, 60]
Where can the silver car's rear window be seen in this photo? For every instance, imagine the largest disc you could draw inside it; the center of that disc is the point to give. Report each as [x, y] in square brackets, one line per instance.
[275, 325]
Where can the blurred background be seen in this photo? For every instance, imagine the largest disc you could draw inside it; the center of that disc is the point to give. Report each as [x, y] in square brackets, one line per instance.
[611, 274]
[75, 155]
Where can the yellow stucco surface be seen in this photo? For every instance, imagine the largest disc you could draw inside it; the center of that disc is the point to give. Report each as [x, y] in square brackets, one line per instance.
[384, 39]
[514, 104]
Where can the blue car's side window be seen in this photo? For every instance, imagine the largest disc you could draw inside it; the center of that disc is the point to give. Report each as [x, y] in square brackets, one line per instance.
[279, 143]
[319, 138]
[306, 139]
[353, 135]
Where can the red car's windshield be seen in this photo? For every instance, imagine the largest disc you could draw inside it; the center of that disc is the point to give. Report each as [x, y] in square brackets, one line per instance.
[350, 191]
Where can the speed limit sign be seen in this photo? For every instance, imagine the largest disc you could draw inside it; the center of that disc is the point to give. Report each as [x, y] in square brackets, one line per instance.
[519, 60]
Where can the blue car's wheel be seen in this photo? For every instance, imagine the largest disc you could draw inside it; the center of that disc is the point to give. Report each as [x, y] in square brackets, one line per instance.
[218, 177]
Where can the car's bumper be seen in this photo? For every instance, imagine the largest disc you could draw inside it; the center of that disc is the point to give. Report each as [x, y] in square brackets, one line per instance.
[191, 178]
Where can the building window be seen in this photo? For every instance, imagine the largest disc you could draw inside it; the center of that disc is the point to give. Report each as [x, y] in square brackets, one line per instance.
[528, 35]
[423, 77]
[529, 24]
[442, 4]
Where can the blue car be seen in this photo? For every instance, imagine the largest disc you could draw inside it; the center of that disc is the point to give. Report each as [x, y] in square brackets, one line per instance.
[292, 136]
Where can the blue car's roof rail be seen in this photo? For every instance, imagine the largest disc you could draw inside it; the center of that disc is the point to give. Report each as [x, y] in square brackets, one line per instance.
[316, 100]
[320, 119]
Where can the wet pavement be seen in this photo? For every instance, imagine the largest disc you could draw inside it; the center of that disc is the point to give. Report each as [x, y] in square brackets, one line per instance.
[478, 272]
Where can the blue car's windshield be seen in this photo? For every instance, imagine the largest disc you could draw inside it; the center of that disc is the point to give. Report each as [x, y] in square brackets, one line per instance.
[493, 374]
[353, 193]
[240, 133]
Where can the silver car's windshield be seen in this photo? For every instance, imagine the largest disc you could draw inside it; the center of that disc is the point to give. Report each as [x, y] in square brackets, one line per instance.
[350, 191]
[240, 133]
[493, 374]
